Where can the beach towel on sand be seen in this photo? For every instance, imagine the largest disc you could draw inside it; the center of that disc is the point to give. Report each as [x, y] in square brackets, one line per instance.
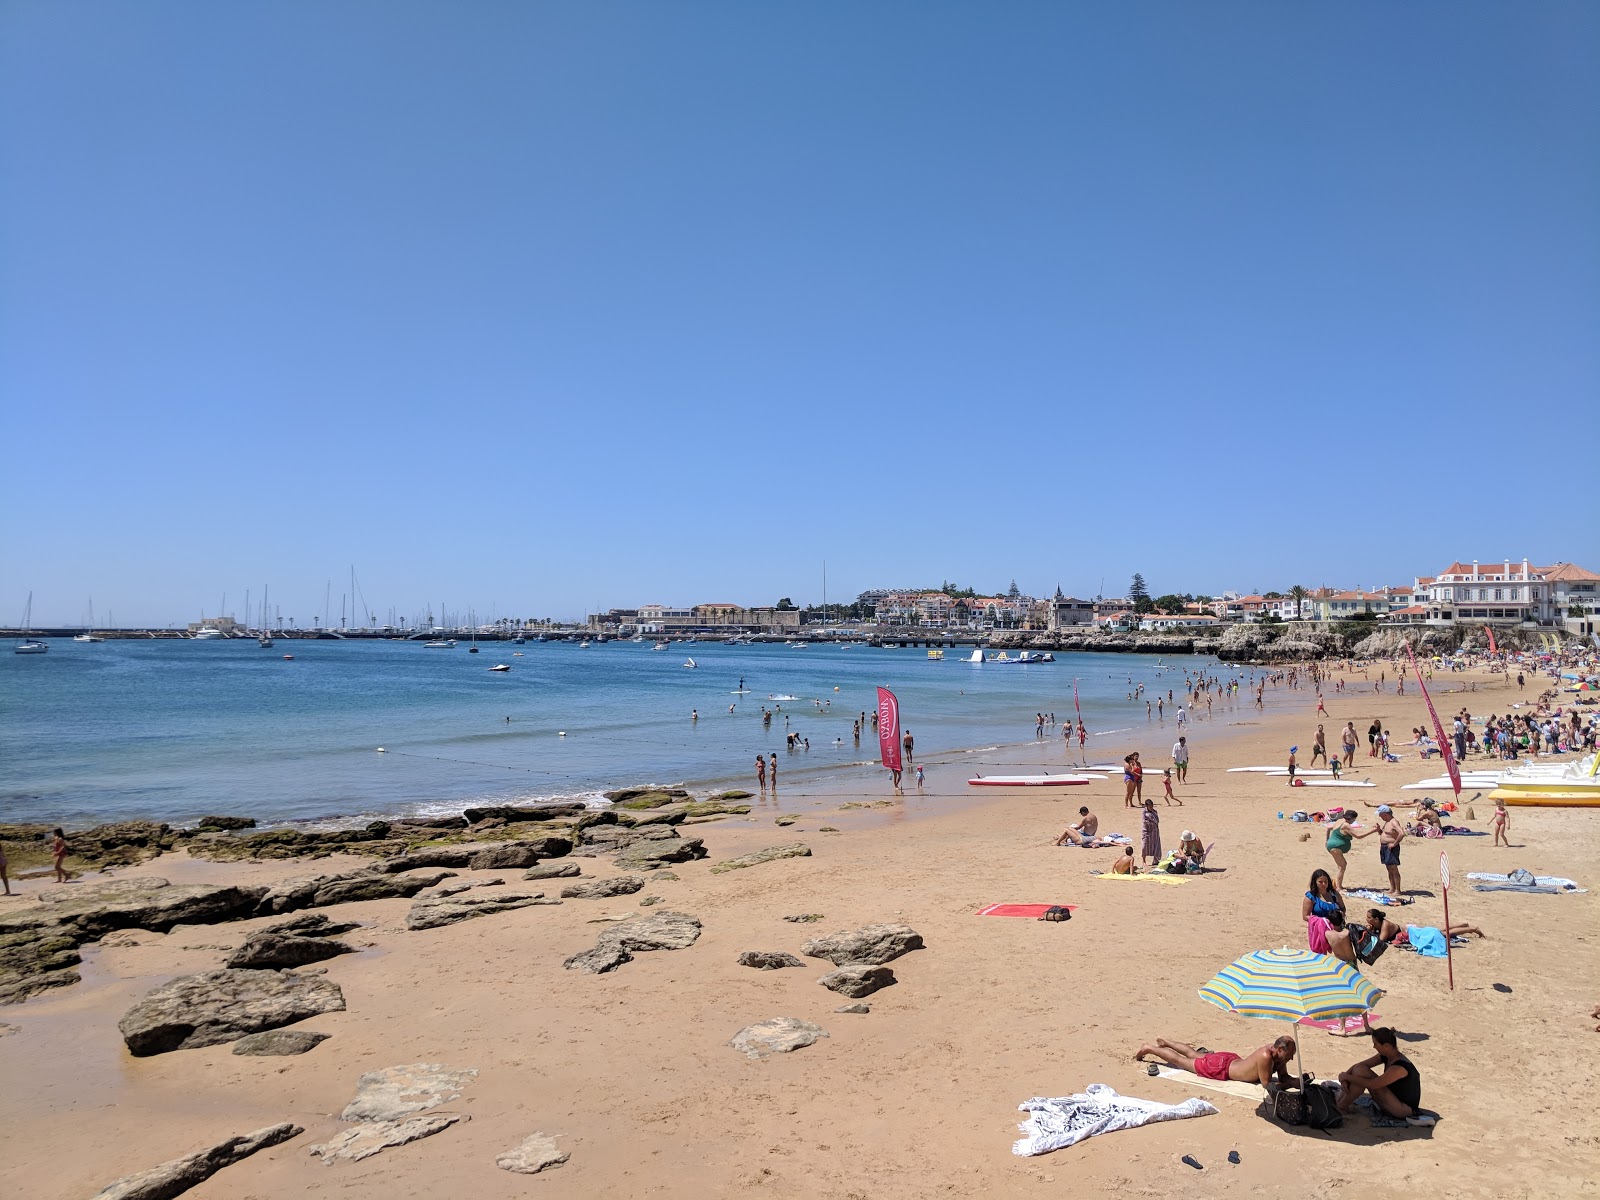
[1548, 881]
[1141, 878]
[1228, 1087]
[1019, 910]
[1426, 940]
[1067, 1120]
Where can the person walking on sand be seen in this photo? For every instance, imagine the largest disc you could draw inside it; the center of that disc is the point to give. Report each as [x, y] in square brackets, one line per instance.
[1127, 780]
[6, 879]
[1180, 758]
[1138, 778]
[58, 848]
[1319, 747]
[1501, 824]
[1166, 779]
[1322, 709]
[1150, 833]
[1083, 736]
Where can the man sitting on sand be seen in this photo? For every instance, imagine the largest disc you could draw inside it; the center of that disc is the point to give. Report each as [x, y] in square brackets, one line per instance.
[1082, 832]
[1259, 1066]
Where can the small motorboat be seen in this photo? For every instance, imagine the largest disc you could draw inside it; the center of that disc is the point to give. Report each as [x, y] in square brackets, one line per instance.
[472, 649]
[439, 644]
[661, 645]
[583, 645]
[500, 667]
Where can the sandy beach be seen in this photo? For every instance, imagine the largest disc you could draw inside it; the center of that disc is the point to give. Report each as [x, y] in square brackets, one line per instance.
[632, 1074]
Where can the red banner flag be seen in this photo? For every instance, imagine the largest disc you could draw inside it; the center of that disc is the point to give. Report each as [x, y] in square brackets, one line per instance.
[1075, 703]
[1438, 729]
[1493, 649]
[889, 728]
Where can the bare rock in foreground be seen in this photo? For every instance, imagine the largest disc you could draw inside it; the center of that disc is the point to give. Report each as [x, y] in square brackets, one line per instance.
[277, 950]
[779, 1035]
[768, 960]
[279, 1042]
[565, 870]
[180, 1174]
[397, 1092]
[857, 980]
[221, 1006]
[536, 1153]
[618, 943]
[874, 944]
[371, 1137]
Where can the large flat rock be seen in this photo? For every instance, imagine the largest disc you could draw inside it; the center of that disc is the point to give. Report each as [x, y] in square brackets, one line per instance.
[777, 1035]
[371, 1137]
[431, 912]
[618, 943]
[874, 944]
[770, 854]
[98, 908]
[221, 1006]
[396, 1092]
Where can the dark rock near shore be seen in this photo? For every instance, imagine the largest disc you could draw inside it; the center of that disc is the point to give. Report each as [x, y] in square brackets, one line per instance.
[519, 854]
[543, 812]
[768, 960]
[319, 891]
[180, 1174]
[448, 823]
[222, 1006]
[645, 797]
[858, 980]
[873, 945]
[95, 909]
[651, 855]
[597, 889]
[226, 823]
[279, 1042]
[278, 950]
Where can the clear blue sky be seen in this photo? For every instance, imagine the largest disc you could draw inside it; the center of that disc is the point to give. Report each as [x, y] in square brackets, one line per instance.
[552, 307]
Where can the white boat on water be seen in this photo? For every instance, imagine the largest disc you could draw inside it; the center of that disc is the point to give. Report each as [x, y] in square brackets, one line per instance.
[440, 644]
[661, 645]
[29, 645]
[583, 645]
[501, 667]
[89, 635]
[691, 664]
[206, 635]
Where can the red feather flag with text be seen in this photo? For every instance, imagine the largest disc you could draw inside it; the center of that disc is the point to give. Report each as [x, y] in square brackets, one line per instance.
[889, 728]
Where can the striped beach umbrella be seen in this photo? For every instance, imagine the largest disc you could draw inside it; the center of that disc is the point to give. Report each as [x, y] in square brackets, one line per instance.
[1289, 985]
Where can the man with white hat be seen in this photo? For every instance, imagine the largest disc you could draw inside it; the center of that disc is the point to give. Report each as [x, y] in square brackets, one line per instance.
[1390, 834]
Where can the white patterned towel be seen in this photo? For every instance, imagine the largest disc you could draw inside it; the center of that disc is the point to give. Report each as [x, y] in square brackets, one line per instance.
[1067, 1120]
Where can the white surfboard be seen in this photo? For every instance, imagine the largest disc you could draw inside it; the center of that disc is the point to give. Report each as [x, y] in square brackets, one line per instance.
[1027, 780]
[1338, 783]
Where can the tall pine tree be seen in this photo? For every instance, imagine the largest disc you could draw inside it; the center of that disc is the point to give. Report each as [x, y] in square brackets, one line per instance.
[1137, 590]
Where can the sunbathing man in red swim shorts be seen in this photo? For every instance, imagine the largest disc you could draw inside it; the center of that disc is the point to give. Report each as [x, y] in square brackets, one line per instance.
[1259, 1066]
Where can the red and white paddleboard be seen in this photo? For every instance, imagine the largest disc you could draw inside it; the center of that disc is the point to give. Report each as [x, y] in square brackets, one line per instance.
[1026, 780]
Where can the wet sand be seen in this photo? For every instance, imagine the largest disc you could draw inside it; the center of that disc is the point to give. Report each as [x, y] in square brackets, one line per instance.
[918, 1098]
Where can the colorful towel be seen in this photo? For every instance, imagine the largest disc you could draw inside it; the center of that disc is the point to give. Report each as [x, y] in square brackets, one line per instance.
[1426, 940]
[1019, 910]
[1342, 1026]
[1555, 881]
[1376, 896]
[1104, 841]
[1140, 878]
[1067, 1120]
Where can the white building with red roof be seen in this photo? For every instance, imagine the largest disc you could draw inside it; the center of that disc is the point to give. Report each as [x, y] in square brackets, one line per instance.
[1495, 593]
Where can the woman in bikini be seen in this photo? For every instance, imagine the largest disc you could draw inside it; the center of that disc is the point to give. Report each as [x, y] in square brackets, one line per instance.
[58, 849]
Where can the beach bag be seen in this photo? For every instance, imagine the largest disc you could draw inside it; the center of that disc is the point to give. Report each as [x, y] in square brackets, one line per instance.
[1523, 876]
[1320, 1110]
[1056, 913]
[1289, 1106]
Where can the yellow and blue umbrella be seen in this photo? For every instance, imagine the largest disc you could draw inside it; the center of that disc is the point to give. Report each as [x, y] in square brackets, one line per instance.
[1290, 985]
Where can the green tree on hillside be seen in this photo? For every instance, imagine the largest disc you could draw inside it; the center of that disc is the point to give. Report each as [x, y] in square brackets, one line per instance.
[1170, 604]
[1137, 590]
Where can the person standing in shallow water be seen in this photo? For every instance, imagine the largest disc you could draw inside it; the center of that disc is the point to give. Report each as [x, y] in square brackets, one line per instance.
[761, 774]
[772, 770]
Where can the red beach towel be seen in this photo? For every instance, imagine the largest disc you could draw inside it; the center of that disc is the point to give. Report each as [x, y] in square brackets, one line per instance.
[1020, 910]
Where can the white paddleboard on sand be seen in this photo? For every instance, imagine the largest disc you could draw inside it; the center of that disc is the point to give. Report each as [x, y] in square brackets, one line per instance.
[1336, 783]
[1309, 772]
[1027, 780]
[1262, 770]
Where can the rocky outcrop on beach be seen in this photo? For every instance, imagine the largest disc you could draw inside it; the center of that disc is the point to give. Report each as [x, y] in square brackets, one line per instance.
[180, 1174]
[279, 1042]
[619, 943]
[221, 1006]
[280, 950]
[768, 960]
[770, 854]
[432, 912]
[396, 1092]
[857, 980]
[206, 824]
[599, 889]
[777, 1035]
[39, 945]
[873, 944]
[312, 925]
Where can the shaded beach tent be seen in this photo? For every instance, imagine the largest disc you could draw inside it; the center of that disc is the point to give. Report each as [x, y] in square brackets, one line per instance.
[1290, 985]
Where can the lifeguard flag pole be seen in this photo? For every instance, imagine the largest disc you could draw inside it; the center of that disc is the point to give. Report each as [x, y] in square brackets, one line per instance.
[1438, 728]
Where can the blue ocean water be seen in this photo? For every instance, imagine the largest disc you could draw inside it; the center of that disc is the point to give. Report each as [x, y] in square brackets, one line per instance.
[172, 730]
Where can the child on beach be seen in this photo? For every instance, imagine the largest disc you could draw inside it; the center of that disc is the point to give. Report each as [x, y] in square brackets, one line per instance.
[919, 777]
[1166, 779]
[1502, 824]
[1293, 750]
